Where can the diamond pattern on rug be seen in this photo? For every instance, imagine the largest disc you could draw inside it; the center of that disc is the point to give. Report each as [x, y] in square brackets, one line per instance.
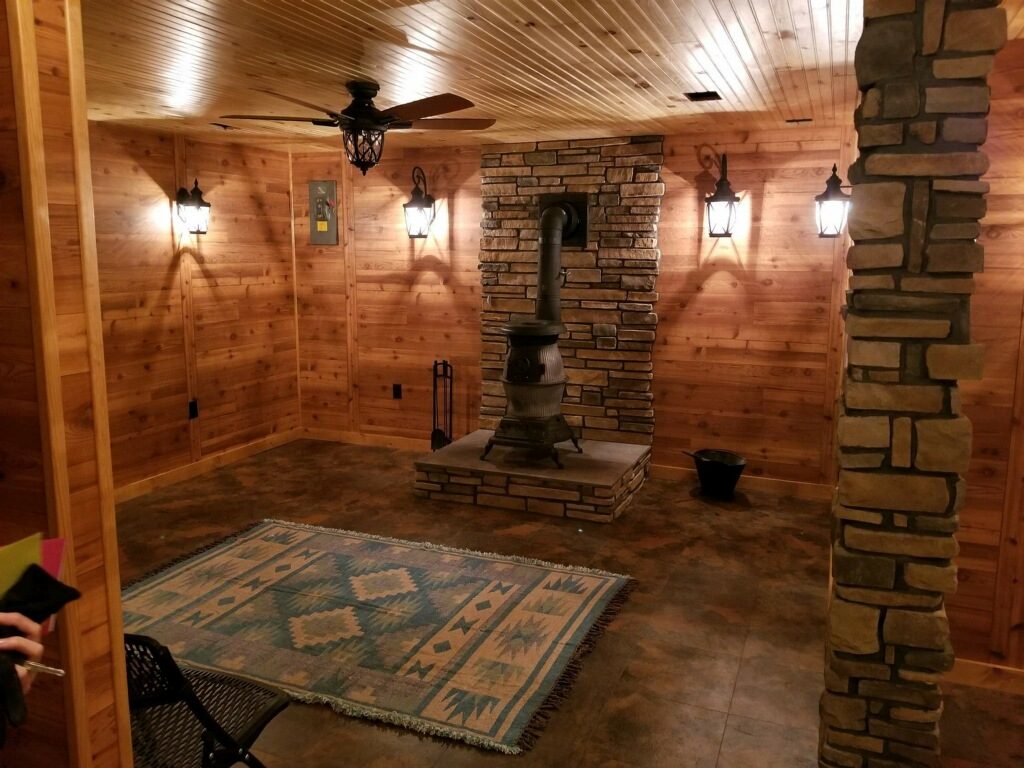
[372, 586]
[451, 643]
[316, 629]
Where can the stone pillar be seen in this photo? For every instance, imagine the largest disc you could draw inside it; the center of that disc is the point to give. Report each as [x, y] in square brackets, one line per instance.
[904, 442]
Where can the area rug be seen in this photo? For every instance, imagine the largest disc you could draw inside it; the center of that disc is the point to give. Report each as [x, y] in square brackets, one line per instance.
[471, 646]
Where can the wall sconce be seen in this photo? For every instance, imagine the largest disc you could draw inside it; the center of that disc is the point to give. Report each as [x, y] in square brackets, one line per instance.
[193, 210]
[419, 211]
[831, 206]
[721, 205]
[362, 146]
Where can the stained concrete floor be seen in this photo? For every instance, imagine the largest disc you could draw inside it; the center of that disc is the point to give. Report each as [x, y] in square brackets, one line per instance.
[716, 660]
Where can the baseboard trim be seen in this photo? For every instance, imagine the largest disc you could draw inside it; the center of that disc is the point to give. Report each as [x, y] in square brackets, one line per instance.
[983, 674]
[204, 465]
[363, 438]
[808, 491]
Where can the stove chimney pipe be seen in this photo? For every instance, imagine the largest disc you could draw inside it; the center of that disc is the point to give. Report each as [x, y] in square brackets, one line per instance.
[556, 221]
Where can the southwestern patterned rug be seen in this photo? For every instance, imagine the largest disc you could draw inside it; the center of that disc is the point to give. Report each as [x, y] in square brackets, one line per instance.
[466, 645]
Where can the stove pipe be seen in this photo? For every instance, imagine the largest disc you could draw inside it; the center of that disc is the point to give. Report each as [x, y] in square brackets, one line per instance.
[554, 221]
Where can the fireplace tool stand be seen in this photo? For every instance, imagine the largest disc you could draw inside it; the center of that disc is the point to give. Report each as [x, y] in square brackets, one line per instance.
[534, 376]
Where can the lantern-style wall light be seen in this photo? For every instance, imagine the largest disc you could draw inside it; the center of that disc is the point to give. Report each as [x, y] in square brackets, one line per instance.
[193, 210]
[721, 205]
[832, 206]
[363, 146]
[419, 211]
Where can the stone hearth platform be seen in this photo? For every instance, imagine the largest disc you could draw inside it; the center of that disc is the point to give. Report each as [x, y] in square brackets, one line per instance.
[595, 485]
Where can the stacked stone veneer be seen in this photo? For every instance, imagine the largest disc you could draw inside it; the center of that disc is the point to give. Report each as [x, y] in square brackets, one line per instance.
[536, 493]
[608, 298]
[904, 442]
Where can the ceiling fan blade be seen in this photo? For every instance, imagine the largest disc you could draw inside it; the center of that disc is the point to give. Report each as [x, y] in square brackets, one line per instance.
[446, 124]
[428, 107]
[282, 118]
[300, 102]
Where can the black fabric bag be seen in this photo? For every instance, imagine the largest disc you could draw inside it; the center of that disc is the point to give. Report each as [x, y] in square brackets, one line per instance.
[38, 596]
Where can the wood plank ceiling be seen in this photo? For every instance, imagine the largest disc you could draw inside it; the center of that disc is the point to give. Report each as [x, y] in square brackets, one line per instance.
[544, 69]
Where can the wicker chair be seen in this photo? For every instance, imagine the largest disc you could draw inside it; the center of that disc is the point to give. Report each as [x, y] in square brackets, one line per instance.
[192, 718]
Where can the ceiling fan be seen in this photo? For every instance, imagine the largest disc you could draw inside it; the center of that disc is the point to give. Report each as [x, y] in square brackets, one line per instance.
[363, 125]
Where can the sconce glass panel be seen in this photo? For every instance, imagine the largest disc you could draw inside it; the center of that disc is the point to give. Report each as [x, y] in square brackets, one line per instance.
[831, 215]
[721, 218]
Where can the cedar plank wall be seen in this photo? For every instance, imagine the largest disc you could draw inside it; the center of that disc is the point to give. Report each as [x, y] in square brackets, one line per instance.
[987, 612]
[242, 296]
[745, 325]
[414, 300]
[241, 293]
[147, 390]
[23, 504]
[77, 720]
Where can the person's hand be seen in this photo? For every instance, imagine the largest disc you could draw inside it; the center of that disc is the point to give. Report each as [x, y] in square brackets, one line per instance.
[29, 644]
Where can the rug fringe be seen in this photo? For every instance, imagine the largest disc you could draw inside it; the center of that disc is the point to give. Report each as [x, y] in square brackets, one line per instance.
[560, 692]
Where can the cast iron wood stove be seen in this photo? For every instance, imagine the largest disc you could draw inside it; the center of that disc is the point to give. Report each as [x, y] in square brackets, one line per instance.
[534, 376]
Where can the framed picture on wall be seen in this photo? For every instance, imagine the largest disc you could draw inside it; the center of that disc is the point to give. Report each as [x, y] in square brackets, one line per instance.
[323, 213]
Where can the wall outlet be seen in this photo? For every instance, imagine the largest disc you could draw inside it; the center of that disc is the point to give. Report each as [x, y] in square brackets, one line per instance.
[396, 391]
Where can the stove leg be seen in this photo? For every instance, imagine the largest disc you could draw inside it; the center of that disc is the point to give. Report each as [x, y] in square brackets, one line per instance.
[483, 456]
[576, 444]
[555, 458]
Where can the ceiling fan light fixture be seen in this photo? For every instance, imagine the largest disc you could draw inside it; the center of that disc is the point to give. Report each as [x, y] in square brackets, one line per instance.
[363, 146]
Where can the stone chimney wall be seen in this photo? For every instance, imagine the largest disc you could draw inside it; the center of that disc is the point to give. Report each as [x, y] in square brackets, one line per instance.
[904, 442]
[608, 297]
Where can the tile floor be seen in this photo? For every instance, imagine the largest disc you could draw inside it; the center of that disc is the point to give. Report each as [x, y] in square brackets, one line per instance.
[716, 660]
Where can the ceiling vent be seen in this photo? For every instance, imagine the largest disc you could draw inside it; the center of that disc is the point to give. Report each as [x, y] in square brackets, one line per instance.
[703, 96]
[800, 120]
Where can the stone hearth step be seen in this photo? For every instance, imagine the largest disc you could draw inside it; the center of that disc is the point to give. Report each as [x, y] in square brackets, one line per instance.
[595, 485]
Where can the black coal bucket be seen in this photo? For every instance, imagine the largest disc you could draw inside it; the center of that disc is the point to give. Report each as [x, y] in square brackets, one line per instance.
[718, 471]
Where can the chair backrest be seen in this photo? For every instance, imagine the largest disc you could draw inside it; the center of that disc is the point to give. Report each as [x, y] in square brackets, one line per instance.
[153, 676]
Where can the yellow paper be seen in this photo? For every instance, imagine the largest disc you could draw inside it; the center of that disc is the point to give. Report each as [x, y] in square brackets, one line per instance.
[16, 557]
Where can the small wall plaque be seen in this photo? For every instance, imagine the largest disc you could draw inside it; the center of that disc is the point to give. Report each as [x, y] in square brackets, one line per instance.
[323, 213]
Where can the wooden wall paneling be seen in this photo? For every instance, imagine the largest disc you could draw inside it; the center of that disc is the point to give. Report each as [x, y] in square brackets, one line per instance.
[242, 285]
[113, 678]
[836, 356]
[417, 300]
[322, 292]
[351, 294]
[184, 246]
[49, 101]
[27, 497]
[379, 308]
[1003, 233]
[145, 339]
[742, 359]
[295, 292]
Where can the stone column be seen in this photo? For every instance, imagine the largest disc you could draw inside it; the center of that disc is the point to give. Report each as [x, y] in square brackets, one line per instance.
[921, 66]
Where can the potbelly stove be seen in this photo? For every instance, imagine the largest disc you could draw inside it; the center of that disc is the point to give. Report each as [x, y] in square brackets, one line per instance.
[534, 377]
